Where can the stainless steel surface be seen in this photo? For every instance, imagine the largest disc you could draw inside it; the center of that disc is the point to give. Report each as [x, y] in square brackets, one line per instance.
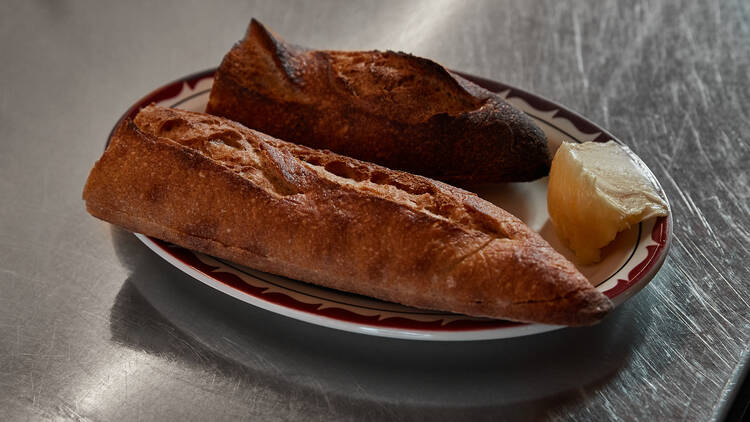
[93, 326]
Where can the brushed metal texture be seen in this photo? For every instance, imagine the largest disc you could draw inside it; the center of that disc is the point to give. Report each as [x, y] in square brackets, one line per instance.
[93, 326]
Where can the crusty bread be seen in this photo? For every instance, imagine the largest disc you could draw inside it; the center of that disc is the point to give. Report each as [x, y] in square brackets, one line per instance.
[393, 109]
[212, 185]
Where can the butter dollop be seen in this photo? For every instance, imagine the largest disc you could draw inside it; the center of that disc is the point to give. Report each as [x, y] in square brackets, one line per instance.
[597, 190]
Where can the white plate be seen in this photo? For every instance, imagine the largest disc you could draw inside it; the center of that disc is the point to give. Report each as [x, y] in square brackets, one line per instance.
[629, 263]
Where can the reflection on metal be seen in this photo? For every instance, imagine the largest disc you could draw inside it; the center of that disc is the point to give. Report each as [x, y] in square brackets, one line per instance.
[96, 329]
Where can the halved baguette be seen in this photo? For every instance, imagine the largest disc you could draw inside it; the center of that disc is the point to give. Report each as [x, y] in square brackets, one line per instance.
[212, 185]
[393, 109]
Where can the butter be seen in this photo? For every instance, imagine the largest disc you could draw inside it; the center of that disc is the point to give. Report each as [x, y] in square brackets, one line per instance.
[595, 191]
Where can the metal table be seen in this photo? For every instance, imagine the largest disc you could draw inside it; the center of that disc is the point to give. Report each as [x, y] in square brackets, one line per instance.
[93, 326]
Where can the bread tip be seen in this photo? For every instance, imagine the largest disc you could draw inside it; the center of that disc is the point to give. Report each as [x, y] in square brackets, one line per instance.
[255, 24]
[256, 28]
[596, 310]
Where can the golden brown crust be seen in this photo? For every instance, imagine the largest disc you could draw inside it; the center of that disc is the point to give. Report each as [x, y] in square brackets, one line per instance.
[212, 185]
[394, 109]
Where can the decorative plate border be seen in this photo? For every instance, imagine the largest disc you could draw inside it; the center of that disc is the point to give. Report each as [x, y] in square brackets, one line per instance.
[369, 316]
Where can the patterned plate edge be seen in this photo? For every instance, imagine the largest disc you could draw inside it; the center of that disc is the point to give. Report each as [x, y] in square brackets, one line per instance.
[638, 275]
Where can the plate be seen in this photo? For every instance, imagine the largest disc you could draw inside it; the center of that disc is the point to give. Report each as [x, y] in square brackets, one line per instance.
[629, 263]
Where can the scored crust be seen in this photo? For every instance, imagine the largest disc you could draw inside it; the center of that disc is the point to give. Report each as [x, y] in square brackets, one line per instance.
[398, 110]
[212, 185]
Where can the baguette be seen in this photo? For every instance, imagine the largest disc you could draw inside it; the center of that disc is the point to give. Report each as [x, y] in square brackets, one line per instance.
[212, 185]
[394, 109]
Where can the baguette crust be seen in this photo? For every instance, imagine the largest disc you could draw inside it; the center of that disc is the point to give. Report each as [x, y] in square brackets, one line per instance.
[212, 185]
[394, 109]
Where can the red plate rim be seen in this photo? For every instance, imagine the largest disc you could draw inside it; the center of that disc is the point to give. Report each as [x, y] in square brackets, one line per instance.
[637, 278]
